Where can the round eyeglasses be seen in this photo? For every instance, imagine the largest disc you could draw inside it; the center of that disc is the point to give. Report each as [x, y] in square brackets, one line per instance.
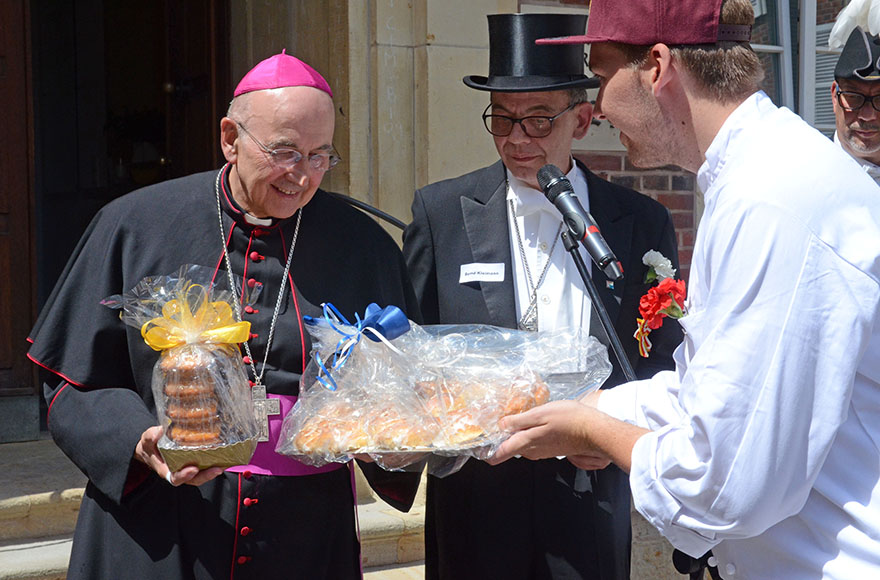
[853, 101]
[288, 157]
[533, 126]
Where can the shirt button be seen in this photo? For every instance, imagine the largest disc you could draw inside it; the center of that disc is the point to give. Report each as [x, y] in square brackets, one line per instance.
[731, 569]
[243, 559]
[545, 299]
[544, 247]
[251, 282]
[245, 531]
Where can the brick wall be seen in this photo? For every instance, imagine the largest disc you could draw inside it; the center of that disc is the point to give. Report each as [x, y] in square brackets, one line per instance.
[671, 186]
[827, 10]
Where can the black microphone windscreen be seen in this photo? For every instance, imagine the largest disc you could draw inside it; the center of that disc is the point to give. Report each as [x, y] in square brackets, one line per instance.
[547, 174]
[553, 181]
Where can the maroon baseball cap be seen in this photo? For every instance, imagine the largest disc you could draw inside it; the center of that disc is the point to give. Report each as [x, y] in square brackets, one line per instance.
[645, 22]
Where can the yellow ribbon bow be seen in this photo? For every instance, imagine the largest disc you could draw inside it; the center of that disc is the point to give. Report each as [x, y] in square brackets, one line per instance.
[192, 317]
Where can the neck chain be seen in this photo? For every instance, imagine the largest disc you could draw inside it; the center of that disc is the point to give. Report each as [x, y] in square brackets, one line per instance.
[258, 378]
[529, 319]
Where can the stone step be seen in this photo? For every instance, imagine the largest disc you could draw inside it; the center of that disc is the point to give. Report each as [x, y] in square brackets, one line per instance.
[392, 548]
[40, 493]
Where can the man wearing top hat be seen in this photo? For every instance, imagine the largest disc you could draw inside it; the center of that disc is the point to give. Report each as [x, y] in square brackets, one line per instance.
[484, 248]
[855, 95]
[763, 445]
[263, 216]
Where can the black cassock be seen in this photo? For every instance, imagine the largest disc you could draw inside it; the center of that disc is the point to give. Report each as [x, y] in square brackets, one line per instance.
[132, 524]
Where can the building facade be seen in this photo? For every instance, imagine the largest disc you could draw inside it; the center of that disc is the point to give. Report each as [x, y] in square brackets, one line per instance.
[101, 97]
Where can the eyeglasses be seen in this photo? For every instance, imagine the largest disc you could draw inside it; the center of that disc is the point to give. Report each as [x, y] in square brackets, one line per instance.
[852, 101]
[534, 126]
[287, 157]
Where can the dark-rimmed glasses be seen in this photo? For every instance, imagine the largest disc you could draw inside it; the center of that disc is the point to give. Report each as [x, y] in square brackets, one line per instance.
[288, 157]
[853, 101]
[533, 126]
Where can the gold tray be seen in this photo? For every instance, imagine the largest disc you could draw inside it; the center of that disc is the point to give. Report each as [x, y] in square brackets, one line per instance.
[204, 457]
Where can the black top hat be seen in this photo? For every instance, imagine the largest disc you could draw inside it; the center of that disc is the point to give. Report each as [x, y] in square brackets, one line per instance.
[517, 64]
[860, 57]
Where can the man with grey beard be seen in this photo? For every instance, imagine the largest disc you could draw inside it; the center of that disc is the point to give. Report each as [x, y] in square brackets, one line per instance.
[855, 94]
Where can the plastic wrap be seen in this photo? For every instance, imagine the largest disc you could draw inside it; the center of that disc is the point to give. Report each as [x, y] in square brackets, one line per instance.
[437, 390]
[199, 383]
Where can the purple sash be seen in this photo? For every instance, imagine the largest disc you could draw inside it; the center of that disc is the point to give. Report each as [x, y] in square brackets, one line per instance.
[266, 462]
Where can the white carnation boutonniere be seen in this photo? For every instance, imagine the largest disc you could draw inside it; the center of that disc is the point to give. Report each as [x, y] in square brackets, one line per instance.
[659, 266]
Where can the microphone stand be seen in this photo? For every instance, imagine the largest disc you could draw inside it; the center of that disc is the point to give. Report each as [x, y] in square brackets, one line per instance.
[367, 208]
[571, 245]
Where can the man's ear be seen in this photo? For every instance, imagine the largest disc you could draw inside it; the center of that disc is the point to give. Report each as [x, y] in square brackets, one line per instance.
[585, 117]
[661, 68]
[229, 139]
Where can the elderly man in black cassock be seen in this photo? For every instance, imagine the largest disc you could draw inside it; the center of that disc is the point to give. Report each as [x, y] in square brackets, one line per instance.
[263, 216]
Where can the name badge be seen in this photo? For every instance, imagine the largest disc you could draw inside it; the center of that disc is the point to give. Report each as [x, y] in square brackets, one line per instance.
[480, 272]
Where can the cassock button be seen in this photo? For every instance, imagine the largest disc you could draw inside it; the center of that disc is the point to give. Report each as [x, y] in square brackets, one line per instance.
[246, 474]
[249, 501]
[249, 309]
[246, 360]
[258, 232]
[245, 531]
[243, 559]
[255, 256]
[251, 282]
[253, 335]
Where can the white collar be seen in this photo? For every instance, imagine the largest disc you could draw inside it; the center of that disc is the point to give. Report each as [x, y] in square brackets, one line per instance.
[737, 121]
[528, 200]
[255, 221]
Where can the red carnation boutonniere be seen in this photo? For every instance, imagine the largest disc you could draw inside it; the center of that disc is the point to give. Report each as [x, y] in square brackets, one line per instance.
[664, 299]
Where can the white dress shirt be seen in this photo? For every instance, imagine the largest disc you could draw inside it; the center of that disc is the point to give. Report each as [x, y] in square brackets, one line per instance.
[563, 301]
[766, 437]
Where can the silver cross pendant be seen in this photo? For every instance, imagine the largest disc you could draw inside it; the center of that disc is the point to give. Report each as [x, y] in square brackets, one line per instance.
[263, 407]
[529, 320]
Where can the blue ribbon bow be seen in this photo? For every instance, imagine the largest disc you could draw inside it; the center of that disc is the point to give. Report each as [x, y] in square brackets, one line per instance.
[390, 322]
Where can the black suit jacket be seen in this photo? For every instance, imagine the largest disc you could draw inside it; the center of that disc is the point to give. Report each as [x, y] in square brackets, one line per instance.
[524, 519]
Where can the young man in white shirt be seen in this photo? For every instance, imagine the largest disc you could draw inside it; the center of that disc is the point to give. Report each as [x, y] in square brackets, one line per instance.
[762, 444]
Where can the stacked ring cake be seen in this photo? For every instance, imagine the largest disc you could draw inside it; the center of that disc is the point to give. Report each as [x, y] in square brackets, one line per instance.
[190, 400]
[204, 402]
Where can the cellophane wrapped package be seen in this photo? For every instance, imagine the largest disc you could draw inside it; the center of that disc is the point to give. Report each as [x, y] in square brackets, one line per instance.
[431, 391]
[199, 383]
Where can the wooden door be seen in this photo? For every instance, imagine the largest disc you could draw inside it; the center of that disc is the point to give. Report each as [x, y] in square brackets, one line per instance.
[16, 185]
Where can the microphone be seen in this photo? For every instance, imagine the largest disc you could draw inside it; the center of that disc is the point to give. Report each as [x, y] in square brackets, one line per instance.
[580, 223]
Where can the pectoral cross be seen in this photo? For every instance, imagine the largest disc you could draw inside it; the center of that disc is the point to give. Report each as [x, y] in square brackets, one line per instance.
[263, 407]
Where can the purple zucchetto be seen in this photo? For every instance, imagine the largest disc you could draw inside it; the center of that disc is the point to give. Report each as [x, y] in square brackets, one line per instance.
[281, 70]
